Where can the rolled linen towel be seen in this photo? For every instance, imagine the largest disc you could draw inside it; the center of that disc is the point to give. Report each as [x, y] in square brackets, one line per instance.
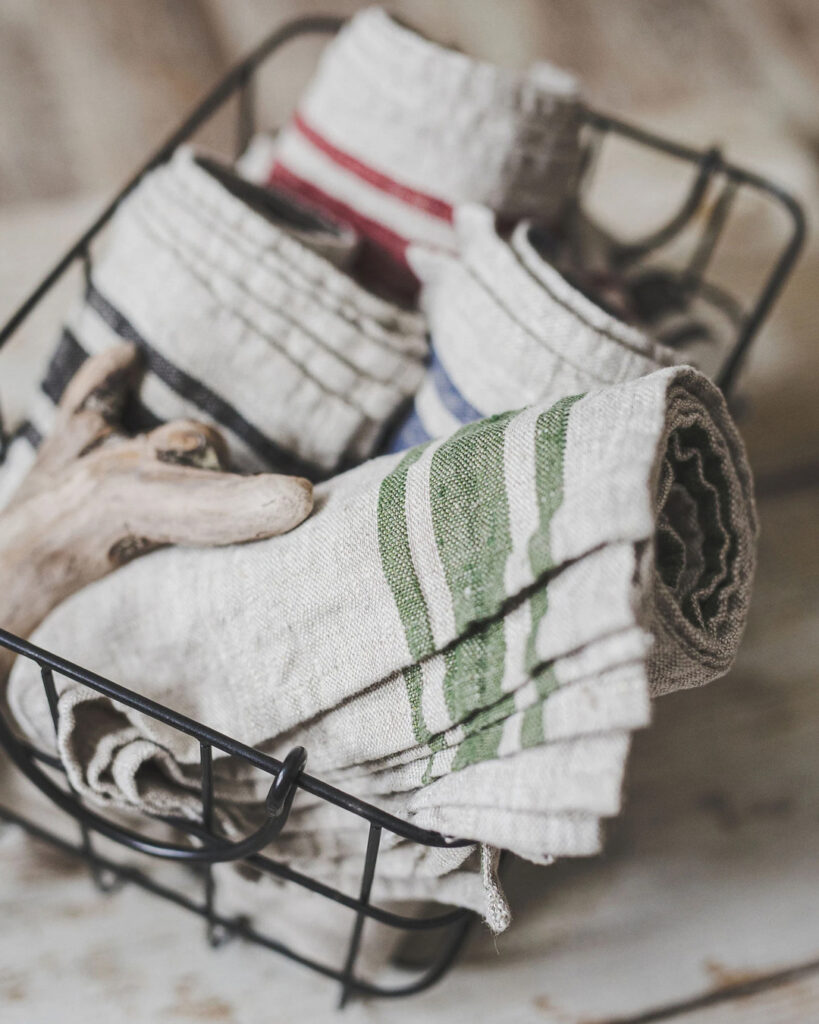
[394, 130]
[509, 330]
[455, 626]
[245, 321]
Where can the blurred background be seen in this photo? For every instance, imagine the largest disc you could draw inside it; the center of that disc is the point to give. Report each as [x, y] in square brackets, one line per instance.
[706, 907]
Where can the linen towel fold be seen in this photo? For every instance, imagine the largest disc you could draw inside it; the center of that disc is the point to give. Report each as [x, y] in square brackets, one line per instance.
[394, 130]
[508, 329]
[699, 323]
[245, 321]
[486, 614]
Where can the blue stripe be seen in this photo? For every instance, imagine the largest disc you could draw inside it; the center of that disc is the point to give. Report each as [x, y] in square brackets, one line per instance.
[453, 400]
[411, 432]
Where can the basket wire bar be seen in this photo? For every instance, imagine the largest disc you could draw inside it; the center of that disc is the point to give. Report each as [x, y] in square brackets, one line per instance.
[207, 846]
[101, 881]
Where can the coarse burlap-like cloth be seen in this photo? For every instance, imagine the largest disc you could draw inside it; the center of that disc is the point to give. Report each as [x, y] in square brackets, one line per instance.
[394, 130]
[508, 330]
[245, 321]
[465, 634]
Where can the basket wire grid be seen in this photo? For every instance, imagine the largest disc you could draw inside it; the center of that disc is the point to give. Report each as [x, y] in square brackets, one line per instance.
[207, 847]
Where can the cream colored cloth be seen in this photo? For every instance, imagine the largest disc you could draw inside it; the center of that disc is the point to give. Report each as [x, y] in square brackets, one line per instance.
[395, 130]
[466, 634]
[696, 320]
[437, 119]
[245, 321]
[508, 329]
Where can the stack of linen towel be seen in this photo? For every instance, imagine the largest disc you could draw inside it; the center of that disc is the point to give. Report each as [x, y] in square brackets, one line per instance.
[522, 531]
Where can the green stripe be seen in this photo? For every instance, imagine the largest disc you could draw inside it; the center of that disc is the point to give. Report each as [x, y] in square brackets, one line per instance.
[482, 746]
[486, 716]
[396, 559]
[414, 681]
[550, 448]
[531, 717]
[474, 671]
[474, 550]
[470, 517]
[531, 729]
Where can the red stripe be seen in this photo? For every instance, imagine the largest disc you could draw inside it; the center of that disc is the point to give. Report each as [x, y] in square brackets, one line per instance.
[422, 201]
[387, 239]
[383, 252]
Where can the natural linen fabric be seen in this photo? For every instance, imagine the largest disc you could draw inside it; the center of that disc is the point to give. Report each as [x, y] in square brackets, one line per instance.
[508, 329]
[394, 130]
[246, 321]
[466, 634]
[697, 323]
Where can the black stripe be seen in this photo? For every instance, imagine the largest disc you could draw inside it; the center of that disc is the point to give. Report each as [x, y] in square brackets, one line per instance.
[29, 432]
[198, 393]
[67, 359]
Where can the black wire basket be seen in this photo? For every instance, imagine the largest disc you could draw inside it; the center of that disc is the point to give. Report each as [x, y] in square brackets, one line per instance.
[713, 176]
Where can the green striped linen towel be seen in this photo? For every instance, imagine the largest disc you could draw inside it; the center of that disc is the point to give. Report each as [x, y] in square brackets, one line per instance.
[466, 633]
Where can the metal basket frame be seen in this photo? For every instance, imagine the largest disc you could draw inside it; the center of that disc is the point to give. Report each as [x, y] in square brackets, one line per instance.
[207, 846]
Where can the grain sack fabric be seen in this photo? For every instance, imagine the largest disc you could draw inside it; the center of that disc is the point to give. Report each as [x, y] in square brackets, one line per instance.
[394, 130]
[466, 634]
[508, 330]
[246, 320]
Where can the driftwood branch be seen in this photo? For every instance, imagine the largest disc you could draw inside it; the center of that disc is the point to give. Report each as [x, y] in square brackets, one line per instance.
[95, 498]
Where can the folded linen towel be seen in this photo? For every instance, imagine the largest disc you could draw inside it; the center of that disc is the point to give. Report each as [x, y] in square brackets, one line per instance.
[453, 596]
[508, 329]
[235, 297]
[696, 319]
[394, 130]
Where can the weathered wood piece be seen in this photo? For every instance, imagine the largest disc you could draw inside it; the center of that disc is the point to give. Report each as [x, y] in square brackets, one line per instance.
[95, 498]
